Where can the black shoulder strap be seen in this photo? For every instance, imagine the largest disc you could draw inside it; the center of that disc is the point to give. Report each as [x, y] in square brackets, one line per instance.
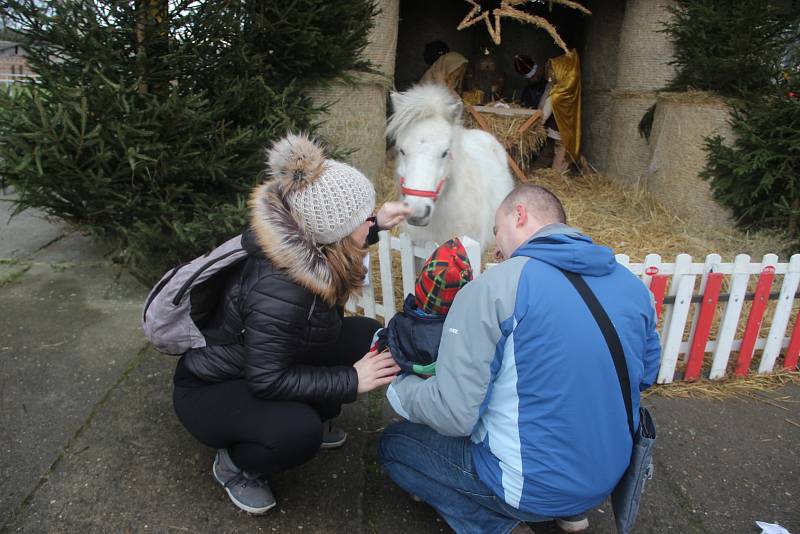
[611, 336]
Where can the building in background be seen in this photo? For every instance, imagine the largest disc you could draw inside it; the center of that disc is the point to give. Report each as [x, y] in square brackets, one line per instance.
[13, 65]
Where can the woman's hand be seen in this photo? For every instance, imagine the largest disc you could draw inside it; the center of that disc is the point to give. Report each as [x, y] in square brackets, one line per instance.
[392, 213]
[375, 370]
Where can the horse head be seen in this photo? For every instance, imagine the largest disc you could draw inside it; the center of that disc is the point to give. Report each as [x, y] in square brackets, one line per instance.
[423, 126]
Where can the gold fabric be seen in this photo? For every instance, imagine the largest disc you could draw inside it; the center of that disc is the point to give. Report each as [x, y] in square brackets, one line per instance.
[448, 70]
[565, 97]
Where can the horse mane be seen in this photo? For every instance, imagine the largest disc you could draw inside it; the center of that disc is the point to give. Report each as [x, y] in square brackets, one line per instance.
[422, 102]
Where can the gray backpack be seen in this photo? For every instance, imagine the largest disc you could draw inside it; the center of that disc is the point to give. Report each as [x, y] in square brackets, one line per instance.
[180, 306]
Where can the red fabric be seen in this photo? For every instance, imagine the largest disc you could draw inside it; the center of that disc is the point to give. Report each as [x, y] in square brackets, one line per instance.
[444, 273]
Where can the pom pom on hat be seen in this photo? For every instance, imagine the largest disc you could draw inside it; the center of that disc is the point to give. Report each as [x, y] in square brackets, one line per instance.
[330, 197]
[443, 275]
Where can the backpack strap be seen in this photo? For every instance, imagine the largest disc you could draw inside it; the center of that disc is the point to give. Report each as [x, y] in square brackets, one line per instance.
[611, 337]
[217, 336]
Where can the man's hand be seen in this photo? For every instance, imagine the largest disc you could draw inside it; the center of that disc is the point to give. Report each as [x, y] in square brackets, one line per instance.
[392, 213]
[375, 370]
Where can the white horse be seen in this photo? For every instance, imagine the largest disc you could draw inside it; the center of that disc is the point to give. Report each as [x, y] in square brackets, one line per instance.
[452, 178]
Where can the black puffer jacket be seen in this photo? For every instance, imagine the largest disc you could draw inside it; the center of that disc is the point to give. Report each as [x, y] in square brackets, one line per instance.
[279, 299]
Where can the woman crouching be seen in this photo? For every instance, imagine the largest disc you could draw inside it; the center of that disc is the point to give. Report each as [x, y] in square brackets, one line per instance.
[267, 403]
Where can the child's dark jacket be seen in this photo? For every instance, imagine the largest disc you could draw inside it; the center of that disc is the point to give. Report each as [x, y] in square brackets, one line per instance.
[412, 338]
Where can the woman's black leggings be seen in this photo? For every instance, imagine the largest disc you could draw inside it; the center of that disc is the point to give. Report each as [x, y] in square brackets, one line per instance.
[264, 436]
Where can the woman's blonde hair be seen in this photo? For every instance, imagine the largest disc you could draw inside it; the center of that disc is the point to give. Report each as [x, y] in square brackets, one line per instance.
[346, 260]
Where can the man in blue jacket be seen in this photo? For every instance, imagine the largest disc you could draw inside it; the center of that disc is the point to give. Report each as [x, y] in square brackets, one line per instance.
[524, 420]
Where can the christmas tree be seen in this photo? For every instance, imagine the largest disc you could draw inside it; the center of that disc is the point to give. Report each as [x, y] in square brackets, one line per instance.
[148, 120]
[747, 50]
[758, 176]
[733, 48]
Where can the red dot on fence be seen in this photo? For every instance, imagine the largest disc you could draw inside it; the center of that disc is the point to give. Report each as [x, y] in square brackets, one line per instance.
[652, 270]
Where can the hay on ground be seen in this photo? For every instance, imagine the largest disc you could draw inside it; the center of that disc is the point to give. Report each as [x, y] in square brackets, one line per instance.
[748, 387]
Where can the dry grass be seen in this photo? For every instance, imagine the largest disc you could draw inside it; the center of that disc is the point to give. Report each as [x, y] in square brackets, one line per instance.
[748, 387]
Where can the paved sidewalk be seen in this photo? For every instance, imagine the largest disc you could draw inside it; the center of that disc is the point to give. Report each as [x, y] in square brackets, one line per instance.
[89, 441]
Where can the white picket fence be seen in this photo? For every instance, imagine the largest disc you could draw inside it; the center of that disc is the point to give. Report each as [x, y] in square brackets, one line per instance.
[689, 298]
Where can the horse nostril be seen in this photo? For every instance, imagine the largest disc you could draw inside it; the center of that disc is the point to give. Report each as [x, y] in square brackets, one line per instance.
[427, 212]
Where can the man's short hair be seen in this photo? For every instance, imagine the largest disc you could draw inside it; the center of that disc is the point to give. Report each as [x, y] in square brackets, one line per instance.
[538, 200]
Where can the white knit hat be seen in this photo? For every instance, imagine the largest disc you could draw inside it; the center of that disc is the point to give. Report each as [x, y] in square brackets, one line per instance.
[330, 197]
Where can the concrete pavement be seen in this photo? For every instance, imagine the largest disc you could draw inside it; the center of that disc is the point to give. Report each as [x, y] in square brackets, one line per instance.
[89, 441]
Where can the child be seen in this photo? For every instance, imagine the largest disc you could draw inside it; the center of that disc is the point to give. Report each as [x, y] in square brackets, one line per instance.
[413, 334]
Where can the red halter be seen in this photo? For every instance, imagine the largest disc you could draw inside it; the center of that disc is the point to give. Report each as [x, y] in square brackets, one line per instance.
[425, 193]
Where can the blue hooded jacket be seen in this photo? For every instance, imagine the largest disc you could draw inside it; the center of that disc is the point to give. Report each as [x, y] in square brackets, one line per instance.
[524, 370]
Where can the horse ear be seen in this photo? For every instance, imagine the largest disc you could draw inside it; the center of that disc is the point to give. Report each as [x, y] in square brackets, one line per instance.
[456, 109]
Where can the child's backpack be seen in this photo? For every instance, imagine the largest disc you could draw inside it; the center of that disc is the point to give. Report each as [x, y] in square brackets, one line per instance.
[180, 306]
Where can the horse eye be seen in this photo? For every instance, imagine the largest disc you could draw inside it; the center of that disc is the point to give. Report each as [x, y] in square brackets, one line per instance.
[444, 154]
[402, 152]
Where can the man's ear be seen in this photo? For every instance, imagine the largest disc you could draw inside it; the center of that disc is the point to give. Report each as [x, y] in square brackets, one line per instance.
[522, 215]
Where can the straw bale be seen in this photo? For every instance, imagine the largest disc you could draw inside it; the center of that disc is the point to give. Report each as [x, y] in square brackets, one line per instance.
[355, 121]
[357, 112]
[682, 121]
[596, 139]
[644, 50]
[523, 147]
[629, 153]
[599, 77]
[601, 45]
[383, 38]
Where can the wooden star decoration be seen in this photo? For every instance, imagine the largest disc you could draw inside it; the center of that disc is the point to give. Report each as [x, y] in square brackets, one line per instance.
[477, 14]
[508, 8]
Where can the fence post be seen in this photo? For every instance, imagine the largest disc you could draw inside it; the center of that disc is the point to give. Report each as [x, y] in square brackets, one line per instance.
[368, 293]
[624, 260]
[651, 266]
[473, 249]
[407, 264]
[730, 320]
[711, 265]
[657, 283]
[781, 318]
[387, 281]
[675, 317]
[793, 350]
[756, 315]
[704, 318]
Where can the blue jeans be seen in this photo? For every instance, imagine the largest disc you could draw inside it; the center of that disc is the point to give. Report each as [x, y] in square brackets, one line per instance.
[439, 470]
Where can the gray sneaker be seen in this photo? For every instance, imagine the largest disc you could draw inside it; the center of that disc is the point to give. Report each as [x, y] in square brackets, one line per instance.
[247, 491]
[575, 523]
[332, 437]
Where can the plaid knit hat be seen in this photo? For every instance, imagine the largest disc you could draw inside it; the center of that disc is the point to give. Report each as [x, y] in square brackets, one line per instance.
[444, 273]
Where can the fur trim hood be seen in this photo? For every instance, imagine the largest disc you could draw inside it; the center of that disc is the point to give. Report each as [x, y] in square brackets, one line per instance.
[285, 242]
[294, 163]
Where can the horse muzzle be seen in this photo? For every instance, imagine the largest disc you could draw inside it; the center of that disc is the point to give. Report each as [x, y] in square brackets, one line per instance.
[418, 221]
[421, 218]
